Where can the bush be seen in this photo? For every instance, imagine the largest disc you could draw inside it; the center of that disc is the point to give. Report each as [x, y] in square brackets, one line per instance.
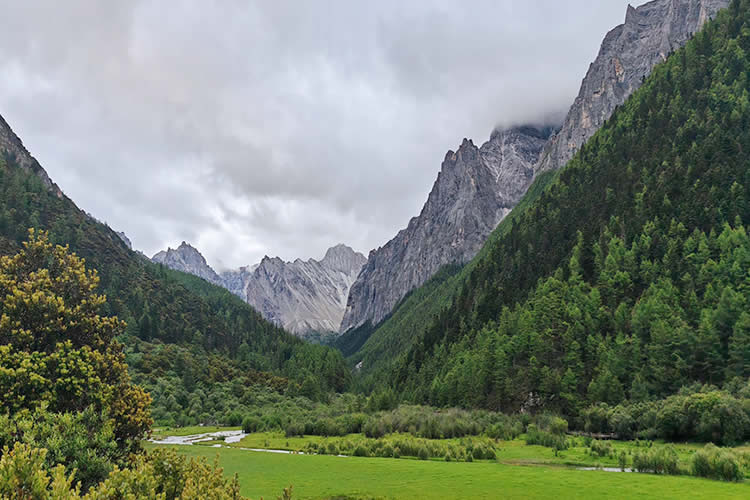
[361, 451]
[558, 426]
[716, 463]
[294, 429]
[542, 438]
[660, 460]
[234, 419]
[160, 474]
[251, 424]
[423, 454]
[601, 448]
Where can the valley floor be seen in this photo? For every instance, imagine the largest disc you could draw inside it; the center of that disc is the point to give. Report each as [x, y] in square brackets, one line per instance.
[522, 472]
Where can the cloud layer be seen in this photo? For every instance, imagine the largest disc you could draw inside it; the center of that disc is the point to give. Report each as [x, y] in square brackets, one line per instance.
[279, 128]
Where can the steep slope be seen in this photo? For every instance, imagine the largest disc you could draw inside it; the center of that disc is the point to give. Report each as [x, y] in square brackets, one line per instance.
[628, 276]
[187, 259]
[180, 327]
[475, 189]
[628, 53]
[301, 296]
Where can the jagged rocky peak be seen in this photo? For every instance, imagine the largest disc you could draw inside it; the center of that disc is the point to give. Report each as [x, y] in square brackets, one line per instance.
[188, 259]
[627, 55]
[475, 188]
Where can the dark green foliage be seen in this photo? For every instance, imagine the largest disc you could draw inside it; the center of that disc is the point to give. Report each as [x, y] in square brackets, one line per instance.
[84, 442]
[707, 415]
[251, 424]
[625, 278]
[535, 435]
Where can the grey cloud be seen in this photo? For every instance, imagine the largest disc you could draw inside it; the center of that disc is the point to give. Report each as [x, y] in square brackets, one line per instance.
[279, 128]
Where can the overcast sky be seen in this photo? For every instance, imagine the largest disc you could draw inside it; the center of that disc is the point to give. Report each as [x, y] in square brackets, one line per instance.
[275, 127]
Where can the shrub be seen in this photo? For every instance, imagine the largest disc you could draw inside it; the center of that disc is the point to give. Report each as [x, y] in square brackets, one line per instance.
[294, 429]
[361, 451]
[558, 426]
[423, 454]
[601, 448]
[622, 460]
[542, 438]
[660, 460]
[716, 463]
[234, 419]
[251, 424]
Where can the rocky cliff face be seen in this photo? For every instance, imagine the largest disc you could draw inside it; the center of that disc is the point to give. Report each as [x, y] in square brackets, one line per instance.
[301, 296]
[187, 259]
[475, 189]
[11, 145]
[304, 296]
[627, 55]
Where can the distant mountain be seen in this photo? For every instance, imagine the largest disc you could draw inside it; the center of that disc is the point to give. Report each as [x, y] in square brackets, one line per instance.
[301, 296]
[187, 259]
[475, 188]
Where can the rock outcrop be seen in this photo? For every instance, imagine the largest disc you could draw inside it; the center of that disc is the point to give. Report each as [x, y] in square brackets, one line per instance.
[627, 55]
[475, 189]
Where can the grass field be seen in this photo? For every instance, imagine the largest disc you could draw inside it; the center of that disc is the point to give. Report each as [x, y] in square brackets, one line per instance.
[266, 474]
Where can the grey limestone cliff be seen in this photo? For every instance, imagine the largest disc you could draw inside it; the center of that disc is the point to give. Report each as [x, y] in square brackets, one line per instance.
[304, 296]
[475, 188]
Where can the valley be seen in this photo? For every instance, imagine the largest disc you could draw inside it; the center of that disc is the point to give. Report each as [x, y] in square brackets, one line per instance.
[568, 316]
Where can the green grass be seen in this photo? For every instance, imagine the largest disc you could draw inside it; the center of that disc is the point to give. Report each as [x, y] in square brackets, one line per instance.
[266, 474]
[515, 452]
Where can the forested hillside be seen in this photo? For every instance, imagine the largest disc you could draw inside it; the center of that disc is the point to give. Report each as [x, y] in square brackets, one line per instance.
[628, 276]
[184, 337]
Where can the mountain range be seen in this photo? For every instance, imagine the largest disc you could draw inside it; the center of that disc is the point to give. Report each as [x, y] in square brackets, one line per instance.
[303, 297]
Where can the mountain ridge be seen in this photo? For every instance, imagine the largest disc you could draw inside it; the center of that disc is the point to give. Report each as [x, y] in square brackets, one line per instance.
[475, 189]
[302, 296]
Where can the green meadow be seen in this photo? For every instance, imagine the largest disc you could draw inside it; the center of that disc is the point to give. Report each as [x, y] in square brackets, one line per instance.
[521, 471]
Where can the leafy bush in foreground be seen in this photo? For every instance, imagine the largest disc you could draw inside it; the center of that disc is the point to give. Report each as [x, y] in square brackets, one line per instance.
[161, 474]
